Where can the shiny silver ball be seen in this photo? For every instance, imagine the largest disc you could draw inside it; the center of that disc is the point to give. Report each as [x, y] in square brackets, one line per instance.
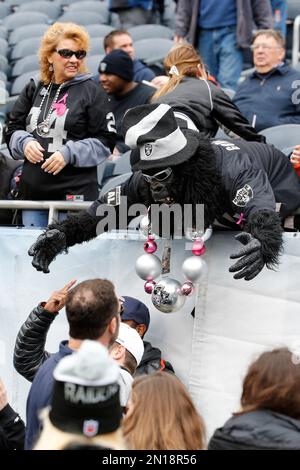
[144, 226]
[148, 267]
[193, 268]
[166, 295]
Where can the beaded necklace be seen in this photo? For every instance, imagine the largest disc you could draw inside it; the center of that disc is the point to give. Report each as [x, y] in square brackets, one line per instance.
[43, 128]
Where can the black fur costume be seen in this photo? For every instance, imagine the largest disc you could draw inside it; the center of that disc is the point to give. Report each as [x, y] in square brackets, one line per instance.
[195, 181]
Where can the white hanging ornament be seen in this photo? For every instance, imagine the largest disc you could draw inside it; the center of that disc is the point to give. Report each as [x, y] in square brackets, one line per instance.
[148, 267]
[193, 268]
[144, 226]
[166, 295]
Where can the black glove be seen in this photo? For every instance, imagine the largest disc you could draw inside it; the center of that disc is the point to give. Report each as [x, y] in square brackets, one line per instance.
[251, 262]
[45, 249]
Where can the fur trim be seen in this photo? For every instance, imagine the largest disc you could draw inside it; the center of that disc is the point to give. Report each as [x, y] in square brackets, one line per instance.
[77, 228]
[198, 181]
[265, 226]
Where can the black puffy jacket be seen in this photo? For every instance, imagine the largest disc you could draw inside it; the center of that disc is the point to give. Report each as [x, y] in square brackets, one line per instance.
[152, 361]
[12, 430]
[257, 430]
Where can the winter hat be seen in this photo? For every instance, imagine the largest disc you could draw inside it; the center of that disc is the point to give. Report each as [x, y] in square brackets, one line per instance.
[85, 396]
[119, 63]
[158, 142]
[131, 340]
[135, 310]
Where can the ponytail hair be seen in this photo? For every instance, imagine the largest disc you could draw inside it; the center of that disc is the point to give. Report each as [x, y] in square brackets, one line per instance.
[182, 61]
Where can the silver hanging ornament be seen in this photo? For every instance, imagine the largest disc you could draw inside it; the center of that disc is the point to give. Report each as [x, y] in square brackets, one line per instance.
[166, 295]
[193, 268]
[148, 267]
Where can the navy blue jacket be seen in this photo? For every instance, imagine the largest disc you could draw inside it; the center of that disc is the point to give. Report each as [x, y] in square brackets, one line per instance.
[141, 72]
[274, 97]
[40, 393]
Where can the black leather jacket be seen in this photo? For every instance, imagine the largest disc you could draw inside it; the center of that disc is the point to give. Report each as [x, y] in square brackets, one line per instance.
[30, 354]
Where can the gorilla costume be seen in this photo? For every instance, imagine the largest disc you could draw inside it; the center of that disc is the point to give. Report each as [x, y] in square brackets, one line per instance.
[171, 164]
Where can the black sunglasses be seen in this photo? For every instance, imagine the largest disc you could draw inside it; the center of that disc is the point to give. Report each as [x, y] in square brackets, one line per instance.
[68, 53]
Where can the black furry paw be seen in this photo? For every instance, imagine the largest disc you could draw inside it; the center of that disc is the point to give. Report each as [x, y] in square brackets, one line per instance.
[44, 250]
[251, 260]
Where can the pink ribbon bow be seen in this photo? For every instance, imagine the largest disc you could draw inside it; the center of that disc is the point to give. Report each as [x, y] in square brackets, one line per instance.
[60, 107]
[241, 219]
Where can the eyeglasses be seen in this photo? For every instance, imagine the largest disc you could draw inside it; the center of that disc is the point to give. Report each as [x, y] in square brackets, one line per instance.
[160, 176]
[263, 46]
[68, 53]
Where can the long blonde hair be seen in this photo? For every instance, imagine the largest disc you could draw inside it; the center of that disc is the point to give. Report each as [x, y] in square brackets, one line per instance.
[50, 40]
[52, 438]
[188, 63]
[163, 416]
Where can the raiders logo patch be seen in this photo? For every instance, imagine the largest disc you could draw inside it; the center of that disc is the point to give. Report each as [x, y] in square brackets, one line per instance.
[243, 196]
[103, 66]
[90, 427]
[113, 196]
[148, 149]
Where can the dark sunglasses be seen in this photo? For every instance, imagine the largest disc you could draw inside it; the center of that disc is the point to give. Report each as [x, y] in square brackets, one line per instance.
[160, 176]
[68, 53]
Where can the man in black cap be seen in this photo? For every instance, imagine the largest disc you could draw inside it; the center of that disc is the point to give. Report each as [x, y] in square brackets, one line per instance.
[116, 77]
[177, 165]
[136, 314]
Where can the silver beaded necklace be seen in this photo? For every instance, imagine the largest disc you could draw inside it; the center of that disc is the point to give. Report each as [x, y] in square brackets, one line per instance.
[43, 128]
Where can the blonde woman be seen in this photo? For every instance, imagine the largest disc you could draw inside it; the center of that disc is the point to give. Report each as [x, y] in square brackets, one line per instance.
[162, 416]
[59, 123]
[199, 103]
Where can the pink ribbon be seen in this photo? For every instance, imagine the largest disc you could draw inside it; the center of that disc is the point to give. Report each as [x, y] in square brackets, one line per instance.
[60, 107]
[241, 219]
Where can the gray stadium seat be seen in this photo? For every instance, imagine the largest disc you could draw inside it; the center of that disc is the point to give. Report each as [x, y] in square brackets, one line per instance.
[115, 181]
[3, 32]
[27, 31]
[96, 46]
[98, 30]
[152, 50]
[282, 137]
[21, 81]
[3, 46]
[82, 17]
[19, 19]
[122, 165]
[93, 6]
[93, 62]
[27, 64]
[52, 9]
[5, 10]
[145, 31]
[25, 48]
[4, 67]
[293, 9]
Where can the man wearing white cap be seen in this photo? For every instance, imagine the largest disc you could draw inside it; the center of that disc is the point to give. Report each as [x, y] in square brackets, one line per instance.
[127, 351]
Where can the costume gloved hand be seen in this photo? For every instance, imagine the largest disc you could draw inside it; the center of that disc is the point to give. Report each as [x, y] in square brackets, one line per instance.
[45, 249]
[251, 261]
